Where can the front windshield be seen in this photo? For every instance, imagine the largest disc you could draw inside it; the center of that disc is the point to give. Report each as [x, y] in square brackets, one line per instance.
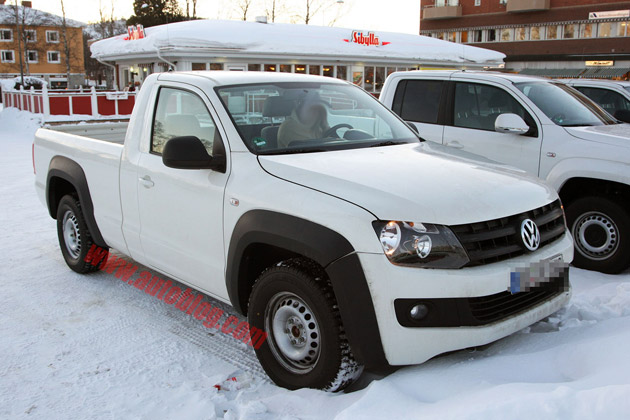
[289, 117]
[564, 105]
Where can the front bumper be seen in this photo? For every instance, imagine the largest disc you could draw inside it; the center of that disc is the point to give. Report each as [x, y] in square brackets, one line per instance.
[412, 345]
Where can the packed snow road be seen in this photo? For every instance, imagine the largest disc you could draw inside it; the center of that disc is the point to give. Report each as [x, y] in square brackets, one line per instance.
[92, 346]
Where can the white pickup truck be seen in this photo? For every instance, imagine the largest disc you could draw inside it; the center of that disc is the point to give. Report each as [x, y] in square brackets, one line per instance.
[538, 125]
[316, 212]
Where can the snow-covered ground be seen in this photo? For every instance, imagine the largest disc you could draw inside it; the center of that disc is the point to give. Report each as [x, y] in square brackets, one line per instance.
[74, 346]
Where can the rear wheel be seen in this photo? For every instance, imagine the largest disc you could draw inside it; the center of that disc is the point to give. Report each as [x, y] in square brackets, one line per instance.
[306, 346]
[601, 231]
[74, 236]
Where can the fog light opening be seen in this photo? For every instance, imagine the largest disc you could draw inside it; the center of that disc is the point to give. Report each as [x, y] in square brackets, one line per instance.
[418, 312]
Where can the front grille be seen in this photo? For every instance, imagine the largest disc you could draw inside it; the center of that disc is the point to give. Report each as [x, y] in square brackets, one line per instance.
[482, 310]
[500, 239]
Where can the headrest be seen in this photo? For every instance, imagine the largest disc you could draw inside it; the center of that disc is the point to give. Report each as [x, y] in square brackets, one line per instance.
[278, 106]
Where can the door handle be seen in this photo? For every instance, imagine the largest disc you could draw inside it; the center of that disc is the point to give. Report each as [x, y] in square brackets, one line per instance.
[455, 145]
[146, 181]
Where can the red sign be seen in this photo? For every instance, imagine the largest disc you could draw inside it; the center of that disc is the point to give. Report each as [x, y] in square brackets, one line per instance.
[369, 39]
[135, 32]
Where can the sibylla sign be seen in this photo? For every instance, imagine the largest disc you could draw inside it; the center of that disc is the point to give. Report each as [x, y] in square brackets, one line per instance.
[369, 39]
[135, 32]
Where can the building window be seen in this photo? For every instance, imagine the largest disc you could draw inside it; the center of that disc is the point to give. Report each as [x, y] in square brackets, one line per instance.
[313, 69]
[216, 66]
[569, 32]
[30, 35]
[285, 68]
[6, 35]
[342, 72]
[270, 67]
[300, 68]
[474, 36]
[198, 66]
[463, 37]
[253, 67]
[31, 56]
[477, 2]
[537, 33]
[440, 35]
[623, 29]
[52, 36]
[507, 34]
[491, 35]
[520, 34]
[587, 30]
[328, 70]
[552, 32]
[7, 56]
[607, 29]
[53, 57]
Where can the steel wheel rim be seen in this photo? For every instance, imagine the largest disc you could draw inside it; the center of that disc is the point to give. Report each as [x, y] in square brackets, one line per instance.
[294, 338]
[71, 234]
[595, 220]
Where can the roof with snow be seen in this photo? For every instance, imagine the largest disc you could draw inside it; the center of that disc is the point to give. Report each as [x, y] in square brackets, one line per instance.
[225, 37]
[34, 17]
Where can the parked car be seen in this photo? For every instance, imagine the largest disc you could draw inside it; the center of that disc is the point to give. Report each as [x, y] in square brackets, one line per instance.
[546, 128]
[365, 248]
[612, 95]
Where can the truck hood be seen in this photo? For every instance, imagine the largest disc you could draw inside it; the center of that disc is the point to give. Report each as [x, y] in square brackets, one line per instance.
[616, 135]
[420, 182]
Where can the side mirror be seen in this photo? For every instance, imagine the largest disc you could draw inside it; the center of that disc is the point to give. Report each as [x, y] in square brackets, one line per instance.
[511, 124]
[188, 152]
[622, 115]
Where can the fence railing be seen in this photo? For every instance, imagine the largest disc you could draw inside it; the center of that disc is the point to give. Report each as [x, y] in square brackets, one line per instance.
[70, 102]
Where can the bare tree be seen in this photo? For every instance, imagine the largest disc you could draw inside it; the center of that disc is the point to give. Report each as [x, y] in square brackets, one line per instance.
[243, 7]
[275, 9]
[194, 3]
[18, 31]
[311, 8]
[187, 9]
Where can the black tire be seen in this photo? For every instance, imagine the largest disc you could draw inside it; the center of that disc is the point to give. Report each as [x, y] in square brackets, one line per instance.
[76, 242]
[297, 295]
[601, 231]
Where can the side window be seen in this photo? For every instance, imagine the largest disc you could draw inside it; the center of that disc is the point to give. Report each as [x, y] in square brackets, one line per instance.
[610, 100]
[419, 100]
[478, 106]
[181, 113]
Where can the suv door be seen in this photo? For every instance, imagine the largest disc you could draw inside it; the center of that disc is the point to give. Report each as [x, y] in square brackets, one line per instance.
[419, 102]
[181, 210]
[470, 126]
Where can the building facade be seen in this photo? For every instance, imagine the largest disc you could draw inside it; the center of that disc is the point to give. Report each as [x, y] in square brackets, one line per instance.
[554, 38]
[42, 46]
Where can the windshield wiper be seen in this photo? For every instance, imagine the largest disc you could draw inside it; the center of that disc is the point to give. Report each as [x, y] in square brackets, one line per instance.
[388, 143]
[291, 151]
[577, 125]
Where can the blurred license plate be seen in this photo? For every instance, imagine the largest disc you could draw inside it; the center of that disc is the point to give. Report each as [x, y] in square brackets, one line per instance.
[537, 275]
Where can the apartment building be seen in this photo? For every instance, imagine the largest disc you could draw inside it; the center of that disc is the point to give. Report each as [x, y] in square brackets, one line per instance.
[555, 38]
[42, 45]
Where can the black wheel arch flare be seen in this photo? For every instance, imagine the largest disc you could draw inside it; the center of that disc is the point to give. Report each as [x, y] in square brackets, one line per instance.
[71, 172]
[326, 247]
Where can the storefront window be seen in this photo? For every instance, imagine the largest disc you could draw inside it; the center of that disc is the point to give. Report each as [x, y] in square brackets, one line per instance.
[369, 79]
[452, 36]
[328, 71]
[520, 34]
[253, 67]
[285, 68]
[342, 72]
[313, 69]
[607, 29]
[474, 36]
[270, 67]
[587, 30]
[357, 78]
[622, 29]
[198, 66]
[491, 35]
[390, 70]
[300, 68]
[379, 78]
[569, 32]
[506, 34]
[216, 66]
[440, 35]
[552, 32]
[464, 37]
[536, 33]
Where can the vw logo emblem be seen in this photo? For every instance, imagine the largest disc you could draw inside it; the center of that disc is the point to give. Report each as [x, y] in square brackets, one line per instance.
[530, 234]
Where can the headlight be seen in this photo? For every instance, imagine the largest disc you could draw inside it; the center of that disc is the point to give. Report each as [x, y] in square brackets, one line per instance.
[420, 244]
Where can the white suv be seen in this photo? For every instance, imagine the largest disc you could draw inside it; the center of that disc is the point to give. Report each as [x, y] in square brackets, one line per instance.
[544, 127]
[612, 95]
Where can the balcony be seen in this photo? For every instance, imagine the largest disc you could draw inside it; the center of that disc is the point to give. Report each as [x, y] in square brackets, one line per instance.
[441, 12]
[518, 6]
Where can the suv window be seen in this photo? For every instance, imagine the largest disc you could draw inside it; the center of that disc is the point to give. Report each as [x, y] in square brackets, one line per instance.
[419, 100]
[181, 113]
[608, 99]
[478, 106]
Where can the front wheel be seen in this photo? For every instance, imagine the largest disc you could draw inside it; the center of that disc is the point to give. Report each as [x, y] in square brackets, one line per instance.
[601, 231]
[306, 346]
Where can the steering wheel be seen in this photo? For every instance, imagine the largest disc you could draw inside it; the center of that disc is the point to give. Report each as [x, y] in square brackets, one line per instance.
[558, 118]
[332, 131]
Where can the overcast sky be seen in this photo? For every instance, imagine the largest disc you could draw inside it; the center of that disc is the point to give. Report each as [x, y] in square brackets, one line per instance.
[380, 15]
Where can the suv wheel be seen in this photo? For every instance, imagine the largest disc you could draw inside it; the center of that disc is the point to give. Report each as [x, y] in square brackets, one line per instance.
[306, 347]
[601, 231]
